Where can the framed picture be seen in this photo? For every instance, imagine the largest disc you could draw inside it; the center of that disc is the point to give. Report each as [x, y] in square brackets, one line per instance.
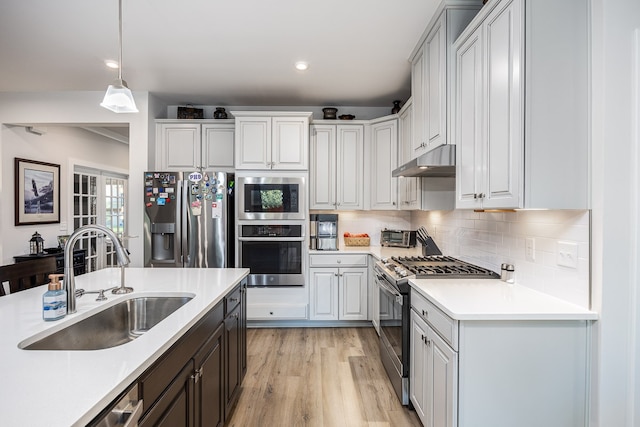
[37, 192]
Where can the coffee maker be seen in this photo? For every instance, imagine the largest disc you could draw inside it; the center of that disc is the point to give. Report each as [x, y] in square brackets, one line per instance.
[323, 232]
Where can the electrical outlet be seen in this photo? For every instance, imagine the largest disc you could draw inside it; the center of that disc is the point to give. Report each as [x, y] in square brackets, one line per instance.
[567, 254]
[530, 249]
[63, 226]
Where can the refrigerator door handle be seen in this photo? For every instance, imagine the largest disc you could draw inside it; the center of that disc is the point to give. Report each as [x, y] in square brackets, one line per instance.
[182, 218]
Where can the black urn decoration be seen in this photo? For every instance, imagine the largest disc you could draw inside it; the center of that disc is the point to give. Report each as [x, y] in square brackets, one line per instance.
[220, 113]
[396, 107]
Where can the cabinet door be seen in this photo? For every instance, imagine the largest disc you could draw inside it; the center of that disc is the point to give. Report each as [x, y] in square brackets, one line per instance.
[290, 143]
[218, 146]
[175, 407]
[322, 174]
[384, 146]
[353, 293]
[324, 293]
[350, 167]
[179, 146]
[253, 143]
[209, 401]
[504, 102]
[233, 353]
[468, 122]
[418, 70]
[408, 188]
[442, 380]
[435, 83]
[418, 364]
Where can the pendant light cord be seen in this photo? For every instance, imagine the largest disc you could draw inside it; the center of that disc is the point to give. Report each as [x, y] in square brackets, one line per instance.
[120, 38]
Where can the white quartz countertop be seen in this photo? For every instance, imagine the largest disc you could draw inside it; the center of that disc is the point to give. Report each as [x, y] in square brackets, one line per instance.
[488, 299]
[69, 388]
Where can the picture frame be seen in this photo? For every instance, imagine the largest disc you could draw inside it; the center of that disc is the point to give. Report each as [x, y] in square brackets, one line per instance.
[37, 192]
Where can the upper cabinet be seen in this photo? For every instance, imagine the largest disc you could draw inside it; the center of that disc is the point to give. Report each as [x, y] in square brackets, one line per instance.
[432, 66]
[336, 176]
[272, 140]
[384, 159]
[184, 146]
[521, 117]
[408, 188]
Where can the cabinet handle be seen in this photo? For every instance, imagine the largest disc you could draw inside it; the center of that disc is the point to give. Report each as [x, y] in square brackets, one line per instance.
[197, 374]
[340, 274]
[335, 274]
[233, 299]
[425, 313]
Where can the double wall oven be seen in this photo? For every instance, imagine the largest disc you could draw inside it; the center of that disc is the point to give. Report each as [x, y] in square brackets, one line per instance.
[272, 236]
[392, 276]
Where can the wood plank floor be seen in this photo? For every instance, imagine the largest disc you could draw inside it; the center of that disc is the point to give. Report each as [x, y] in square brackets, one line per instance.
[329, 377]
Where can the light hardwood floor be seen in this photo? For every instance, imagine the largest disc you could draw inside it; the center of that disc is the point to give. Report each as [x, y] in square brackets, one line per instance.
[328, 377]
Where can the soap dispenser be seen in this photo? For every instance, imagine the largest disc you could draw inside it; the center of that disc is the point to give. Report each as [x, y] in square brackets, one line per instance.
[54, 301]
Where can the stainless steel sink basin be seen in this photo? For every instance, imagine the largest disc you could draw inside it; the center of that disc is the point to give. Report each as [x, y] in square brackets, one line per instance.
[116, 325]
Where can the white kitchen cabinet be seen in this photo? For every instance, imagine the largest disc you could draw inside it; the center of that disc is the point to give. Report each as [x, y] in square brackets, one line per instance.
[409, 193]
[189, 146]
[499, 372]
[521, 131]
[339, 291]
[337, 167]
[374, 298]
[272, 140]
[432, 65]
[384, 159]
[433, 376]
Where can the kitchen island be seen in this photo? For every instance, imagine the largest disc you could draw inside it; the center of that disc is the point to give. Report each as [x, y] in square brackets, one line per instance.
[69, 388]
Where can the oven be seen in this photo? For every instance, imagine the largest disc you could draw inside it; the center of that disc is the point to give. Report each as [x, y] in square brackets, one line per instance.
[395, 309]
[274, 252]
[271, 198]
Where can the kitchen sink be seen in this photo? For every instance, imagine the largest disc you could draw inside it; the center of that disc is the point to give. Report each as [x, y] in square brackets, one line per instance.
[113, 326]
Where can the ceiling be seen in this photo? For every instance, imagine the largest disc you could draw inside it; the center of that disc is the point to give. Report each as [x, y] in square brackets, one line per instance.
[213, 52]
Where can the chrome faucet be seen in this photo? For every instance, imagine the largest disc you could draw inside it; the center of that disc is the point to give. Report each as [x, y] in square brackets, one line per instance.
[69, 279]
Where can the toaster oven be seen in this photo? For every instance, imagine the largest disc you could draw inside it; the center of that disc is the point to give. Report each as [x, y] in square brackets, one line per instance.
[398, 238]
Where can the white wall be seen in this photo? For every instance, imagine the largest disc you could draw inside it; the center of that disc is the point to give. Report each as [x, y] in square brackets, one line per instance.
[490, 238]
[615, 233]
[54, 146]
[77, 107]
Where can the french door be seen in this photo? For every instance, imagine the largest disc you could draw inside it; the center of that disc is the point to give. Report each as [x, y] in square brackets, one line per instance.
[99, 198]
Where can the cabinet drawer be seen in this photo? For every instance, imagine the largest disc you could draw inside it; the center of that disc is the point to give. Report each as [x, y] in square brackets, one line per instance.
[445, 326]
[276, 312]
[338, 260]
[231, 301]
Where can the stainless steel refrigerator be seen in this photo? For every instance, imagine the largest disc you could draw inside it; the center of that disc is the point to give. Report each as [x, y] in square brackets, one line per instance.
[189, 219]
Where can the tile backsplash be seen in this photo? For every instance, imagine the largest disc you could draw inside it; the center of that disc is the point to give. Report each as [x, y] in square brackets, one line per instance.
[489, 239]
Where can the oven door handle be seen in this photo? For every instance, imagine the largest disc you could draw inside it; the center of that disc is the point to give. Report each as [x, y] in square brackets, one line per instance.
[382, 282]
[271, 239]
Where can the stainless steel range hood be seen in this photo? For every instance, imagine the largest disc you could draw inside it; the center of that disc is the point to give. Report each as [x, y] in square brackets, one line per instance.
[440, 161]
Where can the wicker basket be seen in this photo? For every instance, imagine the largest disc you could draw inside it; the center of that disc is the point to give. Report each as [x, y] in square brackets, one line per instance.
[357, 241]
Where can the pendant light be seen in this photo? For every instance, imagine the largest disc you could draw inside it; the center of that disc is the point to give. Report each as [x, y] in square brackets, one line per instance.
[119, 98]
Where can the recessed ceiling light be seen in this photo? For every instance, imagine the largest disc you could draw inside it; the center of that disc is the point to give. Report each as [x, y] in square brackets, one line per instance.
[111, 64]
[302, 66]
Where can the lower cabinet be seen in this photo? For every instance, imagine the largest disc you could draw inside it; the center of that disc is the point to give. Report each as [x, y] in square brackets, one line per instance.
[197, 381]
[525, 372]
[433, 375]
[339, 289]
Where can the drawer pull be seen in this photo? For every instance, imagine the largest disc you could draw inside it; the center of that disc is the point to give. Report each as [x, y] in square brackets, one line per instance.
[425, 313]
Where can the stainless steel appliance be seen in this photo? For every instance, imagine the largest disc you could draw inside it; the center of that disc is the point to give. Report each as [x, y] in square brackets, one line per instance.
[189, 219]
[392, 277]
[271, 198]
[323, 232]
[398, 238]
[274, 252]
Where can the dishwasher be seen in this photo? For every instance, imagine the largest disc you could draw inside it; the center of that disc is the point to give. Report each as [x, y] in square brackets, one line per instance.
[124, 412]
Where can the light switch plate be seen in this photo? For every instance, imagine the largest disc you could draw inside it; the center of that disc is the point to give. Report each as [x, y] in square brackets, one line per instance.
[567, 254]
[530, 249]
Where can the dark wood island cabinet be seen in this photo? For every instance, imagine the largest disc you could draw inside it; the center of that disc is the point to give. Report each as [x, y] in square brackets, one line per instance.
[197, 381]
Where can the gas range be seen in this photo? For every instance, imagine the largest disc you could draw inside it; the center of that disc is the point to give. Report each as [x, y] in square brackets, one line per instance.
[399, 270]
